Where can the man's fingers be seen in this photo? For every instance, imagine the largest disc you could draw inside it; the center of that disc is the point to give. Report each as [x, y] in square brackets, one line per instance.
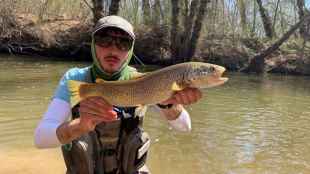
[185, 98]
[182, 97]
[188, 96]
[102, 102]
[99, 102]
[171, 100]
[95, 108]
[179, 98]
[101, 113]
[94, 116]
[191, 97]
[95, 105]
[91, 121]
[85, 106]
[194, 95]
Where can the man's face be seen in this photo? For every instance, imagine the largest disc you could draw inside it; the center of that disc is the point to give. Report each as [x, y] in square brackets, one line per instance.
[112, 47]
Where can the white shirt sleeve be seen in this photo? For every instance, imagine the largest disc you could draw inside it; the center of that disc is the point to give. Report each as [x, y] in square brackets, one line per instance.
[182, 123]
[57, 113]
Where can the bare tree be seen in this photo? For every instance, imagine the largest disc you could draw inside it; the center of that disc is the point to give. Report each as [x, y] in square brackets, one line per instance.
[158, 16]
[301, 13]
[257, 63]
[146, 11]
[175, 29]
[197, 28]
[254, 18]
[183, 44]
[188, 28]
[266, 19]
[114, 7]
[304, 28]
[275, 15]
[43, 9]
[98, 9]
[242, 11]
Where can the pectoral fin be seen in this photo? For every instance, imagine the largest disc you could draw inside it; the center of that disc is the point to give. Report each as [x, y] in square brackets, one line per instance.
[74, 87]
[138, 75]
[177, 87]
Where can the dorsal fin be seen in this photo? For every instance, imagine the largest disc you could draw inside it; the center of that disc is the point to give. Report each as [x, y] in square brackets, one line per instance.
[138, 75]
[98, 80]
[134, 77]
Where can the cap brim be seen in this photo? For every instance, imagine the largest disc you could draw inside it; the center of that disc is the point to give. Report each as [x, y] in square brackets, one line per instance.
[113, 26]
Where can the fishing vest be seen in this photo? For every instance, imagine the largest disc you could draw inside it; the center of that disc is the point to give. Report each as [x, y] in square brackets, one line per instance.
[118, 147]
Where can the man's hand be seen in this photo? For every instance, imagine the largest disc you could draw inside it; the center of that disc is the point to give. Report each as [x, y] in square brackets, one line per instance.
[186, 96]
[93, 111]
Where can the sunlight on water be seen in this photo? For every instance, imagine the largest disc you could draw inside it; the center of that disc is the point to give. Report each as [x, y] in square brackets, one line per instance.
[251, 125]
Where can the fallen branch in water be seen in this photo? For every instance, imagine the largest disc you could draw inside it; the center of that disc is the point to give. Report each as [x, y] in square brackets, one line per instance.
[257, 63]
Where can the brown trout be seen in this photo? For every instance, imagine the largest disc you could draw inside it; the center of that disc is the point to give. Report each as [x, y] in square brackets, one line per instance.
[150, 88]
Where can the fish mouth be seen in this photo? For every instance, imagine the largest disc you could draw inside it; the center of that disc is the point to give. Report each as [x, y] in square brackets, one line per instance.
[223, 79]
[219, 74]
[220, 71]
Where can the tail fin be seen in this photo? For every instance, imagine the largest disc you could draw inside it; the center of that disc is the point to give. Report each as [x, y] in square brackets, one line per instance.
[74, 87]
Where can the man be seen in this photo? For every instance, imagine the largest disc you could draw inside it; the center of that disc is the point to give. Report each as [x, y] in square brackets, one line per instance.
[102, 138]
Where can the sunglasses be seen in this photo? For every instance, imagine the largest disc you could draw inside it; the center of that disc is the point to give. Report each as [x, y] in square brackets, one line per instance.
[122, 43]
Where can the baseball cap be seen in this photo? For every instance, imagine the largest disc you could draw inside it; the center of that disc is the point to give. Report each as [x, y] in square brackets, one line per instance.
[114, 21]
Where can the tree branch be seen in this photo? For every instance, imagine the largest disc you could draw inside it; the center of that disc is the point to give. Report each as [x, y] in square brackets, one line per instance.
[257, 63]
[88, 5]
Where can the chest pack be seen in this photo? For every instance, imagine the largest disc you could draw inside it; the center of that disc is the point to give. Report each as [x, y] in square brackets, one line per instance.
[118, 147]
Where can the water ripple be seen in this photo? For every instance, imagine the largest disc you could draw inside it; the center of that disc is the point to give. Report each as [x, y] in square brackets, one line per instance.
[250, 125]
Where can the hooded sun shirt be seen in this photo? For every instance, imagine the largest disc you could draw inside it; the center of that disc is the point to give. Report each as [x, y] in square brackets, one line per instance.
[125, 71]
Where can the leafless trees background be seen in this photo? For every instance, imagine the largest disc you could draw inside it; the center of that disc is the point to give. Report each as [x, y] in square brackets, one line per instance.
[189, 22]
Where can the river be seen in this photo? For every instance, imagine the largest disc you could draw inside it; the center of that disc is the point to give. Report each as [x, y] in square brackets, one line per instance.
[250, 125]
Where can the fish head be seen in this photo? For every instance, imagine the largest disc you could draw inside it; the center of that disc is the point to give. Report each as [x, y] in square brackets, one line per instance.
[205, 75]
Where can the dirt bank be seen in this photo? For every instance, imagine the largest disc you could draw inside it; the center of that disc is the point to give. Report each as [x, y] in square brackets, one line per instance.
[70, 40]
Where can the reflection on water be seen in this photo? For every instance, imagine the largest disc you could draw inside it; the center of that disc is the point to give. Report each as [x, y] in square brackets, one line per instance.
[251, 125]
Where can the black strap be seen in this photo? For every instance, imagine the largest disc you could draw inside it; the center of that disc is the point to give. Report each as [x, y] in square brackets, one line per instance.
[168, 106]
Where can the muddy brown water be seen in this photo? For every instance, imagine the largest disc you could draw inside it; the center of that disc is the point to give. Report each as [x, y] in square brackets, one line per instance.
[251, 125]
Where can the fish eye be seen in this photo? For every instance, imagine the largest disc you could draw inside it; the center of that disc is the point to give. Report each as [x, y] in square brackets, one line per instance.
[212, 69]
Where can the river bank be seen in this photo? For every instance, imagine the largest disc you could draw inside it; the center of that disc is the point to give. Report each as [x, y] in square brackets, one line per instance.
[69, 39]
